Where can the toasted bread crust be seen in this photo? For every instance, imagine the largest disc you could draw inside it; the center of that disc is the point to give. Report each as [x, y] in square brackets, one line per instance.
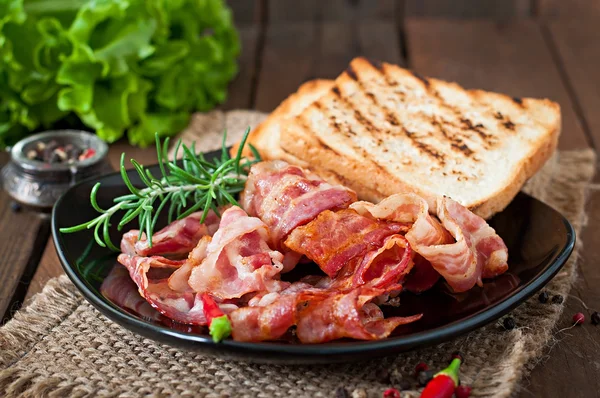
[265, 137]
[325, 147]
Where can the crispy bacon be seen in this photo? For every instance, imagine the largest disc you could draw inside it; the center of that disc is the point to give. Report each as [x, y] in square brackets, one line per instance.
[179, 237]
[332, 315]
[320, 315]
[340, 239]
[237, 259]
[121, 290]
[463, 248]
[267, 317]
[285, 197]
[180, 306]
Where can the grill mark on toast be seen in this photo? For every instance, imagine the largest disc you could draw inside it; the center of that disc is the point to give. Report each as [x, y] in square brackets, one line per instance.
[360, 118]
[455, 142]
[506, 122]
[389, 116]
[375, 64]
[518, 100]
[351, 72]
[424, 147]
[422, 78]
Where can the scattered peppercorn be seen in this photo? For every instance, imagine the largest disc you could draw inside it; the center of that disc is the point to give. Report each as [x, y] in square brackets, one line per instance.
[421, 366]
[405, 385]
[462, 391]
[543, 297]
[595, 318]
[457, 354]
[557, 299]
[341, 392]
[391, 393]
[15, 207]
[509, 323]
[396, 377]
[384, 376]
[424, 377]
[579, 318]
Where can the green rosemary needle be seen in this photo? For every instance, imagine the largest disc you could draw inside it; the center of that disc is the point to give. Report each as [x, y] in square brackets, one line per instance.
[184, 186]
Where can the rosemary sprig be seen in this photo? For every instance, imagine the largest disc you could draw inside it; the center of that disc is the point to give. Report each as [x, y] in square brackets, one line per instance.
[188, 185]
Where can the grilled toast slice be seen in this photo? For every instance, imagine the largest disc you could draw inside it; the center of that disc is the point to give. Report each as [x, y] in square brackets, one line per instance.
[386, 130]
[265, 137]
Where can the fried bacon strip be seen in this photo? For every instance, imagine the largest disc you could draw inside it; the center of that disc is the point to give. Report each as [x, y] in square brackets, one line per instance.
[238, 260]
[286, 196]
[462, 247]
[179, 237]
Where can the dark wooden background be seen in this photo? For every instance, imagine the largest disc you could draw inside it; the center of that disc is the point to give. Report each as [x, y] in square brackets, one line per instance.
[538, 48]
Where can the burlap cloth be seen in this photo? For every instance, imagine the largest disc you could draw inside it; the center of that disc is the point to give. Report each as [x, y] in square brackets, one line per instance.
[59, 345]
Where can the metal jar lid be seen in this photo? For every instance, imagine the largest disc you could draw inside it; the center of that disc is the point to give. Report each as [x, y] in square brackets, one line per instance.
[40, 184]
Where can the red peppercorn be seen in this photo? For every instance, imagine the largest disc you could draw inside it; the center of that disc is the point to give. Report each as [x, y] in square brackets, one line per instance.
[462, 391]
[421, 366]
[579, 318]
[391, 393]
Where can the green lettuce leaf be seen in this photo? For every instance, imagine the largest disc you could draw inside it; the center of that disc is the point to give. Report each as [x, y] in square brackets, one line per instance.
[133, 67]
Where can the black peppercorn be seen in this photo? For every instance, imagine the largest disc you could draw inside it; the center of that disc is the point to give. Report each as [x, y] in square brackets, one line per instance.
[509, 323]
[543, 297]
[557, 299]
[384, 376]
[15, 207]
[424, 377]
[405, 385]
[341, 392]
[595, 318]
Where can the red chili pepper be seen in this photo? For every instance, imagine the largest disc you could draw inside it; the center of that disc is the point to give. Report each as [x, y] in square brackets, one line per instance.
[444, 382]
[219, 326]
[211, 308]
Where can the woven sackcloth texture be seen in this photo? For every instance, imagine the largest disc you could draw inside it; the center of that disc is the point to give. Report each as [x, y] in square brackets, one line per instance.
[59, 345]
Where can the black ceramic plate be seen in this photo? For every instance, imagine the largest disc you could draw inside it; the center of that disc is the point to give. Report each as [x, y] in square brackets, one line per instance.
[539, 241]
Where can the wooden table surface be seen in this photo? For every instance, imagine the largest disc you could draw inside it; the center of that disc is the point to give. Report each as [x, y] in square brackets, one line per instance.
[523, 48]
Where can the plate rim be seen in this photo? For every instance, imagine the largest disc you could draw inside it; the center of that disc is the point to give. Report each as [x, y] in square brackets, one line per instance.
[333, 349]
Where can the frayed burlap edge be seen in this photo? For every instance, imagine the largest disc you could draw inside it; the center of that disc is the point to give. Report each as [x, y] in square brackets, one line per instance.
[59, 301]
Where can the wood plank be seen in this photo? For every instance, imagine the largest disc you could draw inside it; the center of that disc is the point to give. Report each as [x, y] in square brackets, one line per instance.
[283, 11]
[342, 41]
[298, 52]
[49, 268]
[576, 43]
[512, 58]
[359, 10]
[240, 89]
[496, 9]
[572, 364]
[23, 236]
[287, 61]
[245, 12]
[571, 9]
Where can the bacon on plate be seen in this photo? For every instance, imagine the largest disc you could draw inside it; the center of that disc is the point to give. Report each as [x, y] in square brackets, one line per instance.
[286, 196]
[179, 237]
[462, 247]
